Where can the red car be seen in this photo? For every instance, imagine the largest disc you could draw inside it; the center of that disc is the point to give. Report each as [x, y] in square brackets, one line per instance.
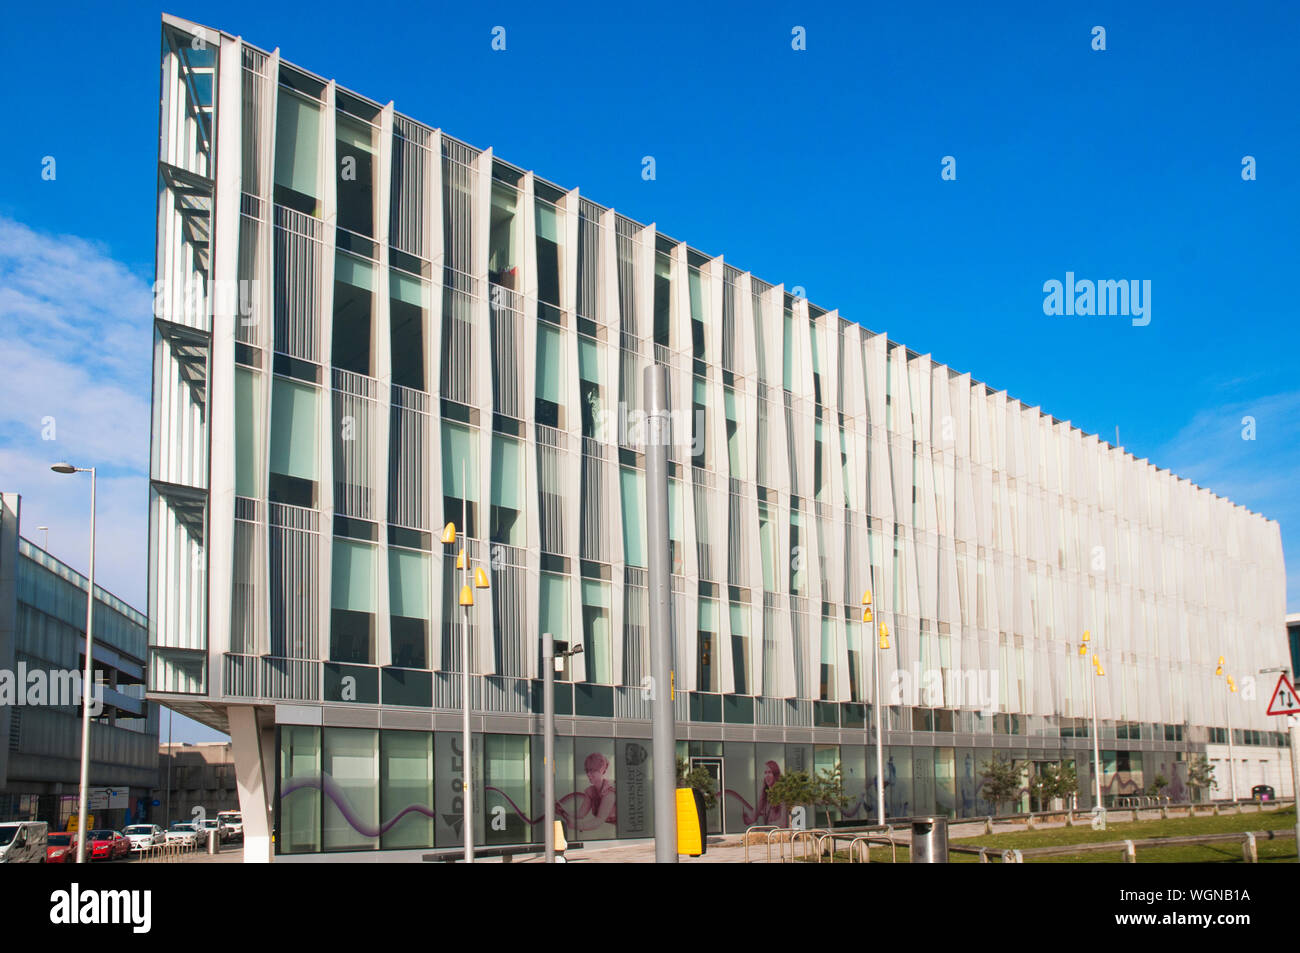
[105, 845]
[61, 848]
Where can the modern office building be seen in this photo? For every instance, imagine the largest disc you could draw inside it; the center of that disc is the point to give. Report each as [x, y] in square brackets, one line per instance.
[42, 655]
[367, 329]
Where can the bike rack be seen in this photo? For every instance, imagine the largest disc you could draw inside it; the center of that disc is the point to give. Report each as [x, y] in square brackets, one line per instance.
[763, 829]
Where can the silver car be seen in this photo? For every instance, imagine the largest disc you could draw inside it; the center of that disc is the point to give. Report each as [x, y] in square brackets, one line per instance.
[144, 836]
[184, 833]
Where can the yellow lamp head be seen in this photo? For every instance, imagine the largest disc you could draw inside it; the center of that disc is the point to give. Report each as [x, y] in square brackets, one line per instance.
[1087, 635]
[1220, 661]
[449, 533]
[1219, 671]
[866, 598]
[866, 613]
[884, 636]
[1083, 650]
[460, 559]
[481, 578]
[1100, 670]
[466, 596]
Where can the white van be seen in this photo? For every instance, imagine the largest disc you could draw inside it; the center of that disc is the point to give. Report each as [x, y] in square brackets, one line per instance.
[23, 842]
[235, 821]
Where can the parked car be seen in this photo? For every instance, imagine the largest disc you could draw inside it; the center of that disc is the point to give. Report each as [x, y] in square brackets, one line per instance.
[235, 822]
[214, 824]
[23, 842]
[1262, 792]
[145, 836]
[106, 845]
[184, 833]
[61, 848]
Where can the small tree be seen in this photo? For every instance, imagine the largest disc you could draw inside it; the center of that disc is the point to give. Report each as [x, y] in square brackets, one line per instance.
[1200, 774]
[1041, 786]
[1067, 781]
[824, 789]
[1158, 785]
[1001, 777]
[1054, 781]
[699, 779]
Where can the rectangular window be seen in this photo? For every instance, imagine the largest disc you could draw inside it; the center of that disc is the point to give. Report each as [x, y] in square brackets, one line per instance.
[408, 307]
[406, 781]
[354, 284]
[595, 632]
[460, 476]
[706, 679]
[735, 454]
[248, 433]
[828, 660]
[632, 485]
[740, 647]
[699, 423]
[508, 788]
[351, 761]
[548, 253]
[300, 753]
[352, 602]
[553, 606]
[507, 491]
[767, 544]
[409, 580]
[356, 174]
[297, 153]
[550, 375]
[295, 415]
[503, 251]
[589, 378]
[663, 299]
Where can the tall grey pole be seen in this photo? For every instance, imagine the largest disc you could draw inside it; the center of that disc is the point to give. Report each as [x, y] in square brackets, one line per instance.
[548, 743]
[1294, 724]
[880, 738]
[1096, 744]
[466, 739]
[85, 688]
[1232, 764]
[663, 732]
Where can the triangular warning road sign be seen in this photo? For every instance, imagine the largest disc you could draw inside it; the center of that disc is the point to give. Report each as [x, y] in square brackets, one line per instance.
[1284, 701]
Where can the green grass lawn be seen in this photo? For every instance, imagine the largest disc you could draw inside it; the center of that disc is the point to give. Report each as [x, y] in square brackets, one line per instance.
[1269, 851]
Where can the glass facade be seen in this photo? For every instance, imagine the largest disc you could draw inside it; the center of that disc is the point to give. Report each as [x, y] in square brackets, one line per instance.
[471, 348]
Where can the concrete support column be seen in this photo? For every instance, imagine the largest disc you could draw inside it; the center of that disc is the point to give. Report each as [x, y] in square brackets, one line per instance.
[254, 751]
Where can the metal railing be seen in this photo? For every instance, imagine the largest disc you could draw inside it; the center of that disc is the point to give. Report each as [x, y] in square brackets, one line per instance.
[1128, 847]
[796, 844]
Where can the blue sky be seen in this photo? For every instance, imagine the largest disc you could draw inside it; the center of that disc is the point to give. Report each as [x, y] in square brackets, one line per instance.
[818, 168]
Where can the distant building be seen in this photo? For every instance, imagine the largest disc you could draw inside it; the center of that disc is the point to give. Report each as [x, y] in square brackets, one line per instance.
[193, 776]
[42, 648]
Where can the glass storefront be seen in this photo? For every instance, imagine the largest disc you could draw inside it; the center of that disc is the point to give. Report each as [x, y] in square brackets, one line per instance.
[346, 789]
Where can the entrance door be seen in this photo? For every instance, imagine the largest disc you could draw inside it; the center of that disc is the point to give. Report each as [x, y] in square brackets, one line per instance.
[713, 817]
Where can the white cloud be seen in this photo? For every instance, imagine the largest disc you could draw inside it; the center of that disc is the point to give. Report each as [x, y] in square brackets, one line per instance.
[77, 328]
[1259, 473]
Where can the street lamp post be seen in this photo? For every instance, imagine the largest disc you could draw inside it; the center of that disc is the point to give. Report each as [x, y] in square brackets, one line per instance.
[1098, 672]
[466, 602]
[85, 679]
[1232, 690]
[881, 643]
[550, 662]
